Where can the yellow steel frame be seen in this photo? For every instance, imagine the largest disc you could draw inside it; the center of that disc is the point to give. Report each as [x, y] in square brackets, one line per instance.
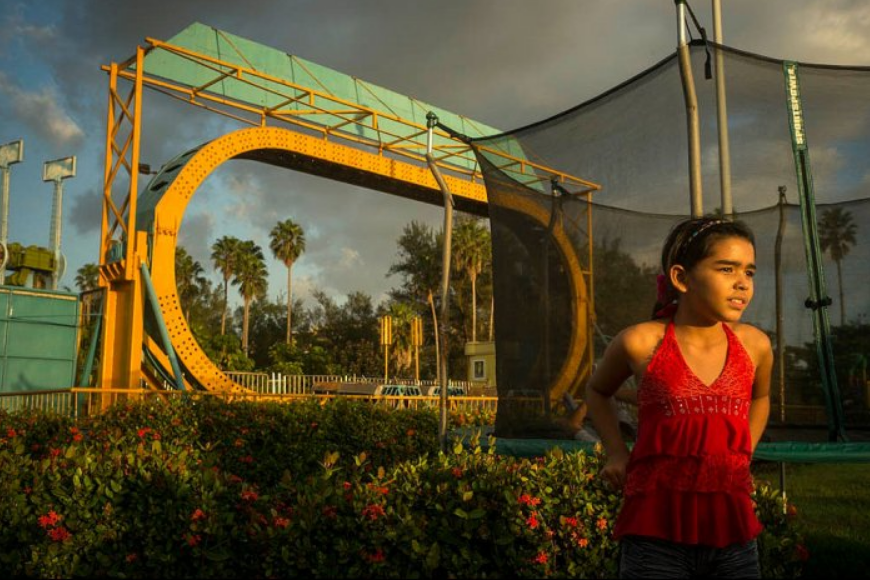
[394, 158]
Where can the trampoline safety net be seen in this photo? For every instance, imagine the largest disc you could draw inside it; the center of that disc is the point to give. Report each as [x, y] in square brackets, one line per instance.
[572, 269]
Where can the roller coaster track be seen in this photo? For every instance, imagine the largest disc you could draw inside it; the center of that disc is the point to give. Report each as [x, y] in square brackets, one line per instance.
[310, 128]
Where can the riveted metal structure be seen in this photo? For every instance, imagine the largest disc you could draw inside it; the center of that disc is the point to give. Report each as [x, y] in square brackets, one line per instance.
[344, 129]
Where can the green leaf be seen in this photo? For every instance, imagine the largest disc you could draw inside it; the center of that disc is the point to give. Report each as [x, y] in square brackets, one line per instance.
[459, 512]
[217, 556]
[433, 558]
[477, 514]
[467, 496]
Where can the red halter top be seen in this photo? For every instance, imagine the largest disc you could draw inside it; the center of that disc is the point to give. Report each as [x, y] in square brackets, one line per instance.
[688, 478]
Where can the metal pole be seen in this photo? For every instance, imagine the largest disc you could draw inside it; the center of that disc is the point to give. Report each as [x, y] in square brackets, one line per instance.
[694, 125]
[780, 343]
[4, 216]
[56, 220]
[681, 22]
[722, 116]
[431, 121]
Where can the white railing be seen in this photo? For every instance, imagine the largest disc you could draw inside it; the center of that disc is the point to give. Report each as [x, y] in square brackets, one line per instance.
[278, 384]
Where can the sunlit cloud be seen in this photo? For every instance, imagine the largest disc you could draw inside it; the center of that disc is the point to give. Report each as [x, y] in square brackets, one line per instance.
[42, 112]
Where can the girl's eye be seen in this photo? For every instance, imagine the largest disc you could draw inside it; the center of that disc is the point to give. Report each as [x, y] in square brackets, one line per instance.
[750, 273]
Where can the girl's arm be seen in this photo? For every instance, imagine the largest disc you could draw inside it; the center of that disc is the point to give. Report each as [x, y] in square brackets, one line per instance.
[759, 408]
[611, 372]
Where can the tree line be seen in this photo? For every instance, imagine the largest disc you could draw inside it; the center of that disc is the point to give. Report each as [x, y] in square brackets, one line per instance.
[285, 335]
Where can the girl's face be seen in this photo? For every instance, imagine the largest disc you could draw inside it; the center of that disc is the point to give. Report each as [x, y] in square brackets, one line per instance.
[720, 286]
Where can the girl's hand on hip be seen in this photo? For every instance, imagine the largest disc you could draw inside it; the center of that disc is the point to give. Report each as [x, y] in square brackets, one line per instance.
[613, 472]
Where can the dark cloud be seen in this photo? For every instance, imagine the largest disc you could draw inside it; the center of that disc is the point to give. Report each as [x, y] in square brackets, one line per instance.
[506, 63]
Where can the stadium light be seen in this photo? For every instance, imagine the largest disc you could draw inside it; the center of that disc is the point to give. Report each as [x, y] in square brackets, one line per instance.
[56, 171]
[10, 154]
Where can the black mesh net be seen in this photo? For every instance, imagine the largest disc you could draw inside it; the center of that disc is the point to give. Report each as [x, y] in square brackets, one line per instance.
[572, 271]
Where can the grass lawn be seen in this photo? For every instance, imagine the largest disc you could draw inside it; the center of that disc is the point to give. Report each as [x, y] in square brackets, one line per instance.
[833, 502]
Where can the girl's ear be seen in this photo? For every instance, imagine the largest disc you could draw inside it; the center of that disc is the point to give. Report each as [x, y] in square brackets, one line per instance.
[678, 278]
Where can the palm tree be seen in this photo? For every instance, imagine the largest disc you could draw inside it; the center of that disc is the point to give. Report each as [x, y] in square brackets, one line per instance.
[87, 279]
[419, 249]
[837, 236]
[251, 277]
[470, 249]
[188, 279]
[403, 314]
[224, 254]
[288, 243]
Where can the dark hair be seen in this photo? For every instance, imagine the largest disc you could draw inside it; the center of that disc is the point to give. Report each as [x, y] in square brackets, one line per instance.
[692, 240]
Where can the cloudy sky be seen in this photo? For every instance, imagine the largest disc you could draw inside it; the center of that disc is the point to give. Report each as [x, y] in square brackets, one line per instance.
[505, 63]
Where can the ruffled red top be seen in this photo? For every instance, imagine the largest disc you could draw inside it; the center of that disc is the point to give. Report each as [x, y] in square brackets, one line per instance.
[688, 478]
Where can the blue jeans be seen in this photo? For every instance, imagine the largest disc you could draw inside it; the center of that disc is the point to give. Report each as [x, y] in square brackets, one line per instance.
[642, 557]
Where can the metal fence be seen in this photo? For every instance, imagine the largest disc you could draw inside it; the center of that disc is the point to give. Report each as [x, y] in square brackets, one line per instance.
[79, 402]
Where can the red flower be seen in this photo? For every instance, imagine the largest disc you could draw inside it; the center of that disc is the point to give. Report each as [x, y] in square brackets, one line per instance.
[59, 534]
[602, 524]
[314, 425]
[571, 522]
[378, 556]
[238, 443]
[791, 510]
[346, 485]
[143, 432]
[411, 432]
[582, 542]
[280, 522]
[379, 489]
[77, 437]
[532, 521]
[246, 459]
[193, 540]
[529, 500]
[457, 472]
[197, 515]
[541, 558]
[330, 512]
[801, 552]
[55, 452]
[11, 433]
[132, 557]
[49, 519]
[373, 511]
[249, 495]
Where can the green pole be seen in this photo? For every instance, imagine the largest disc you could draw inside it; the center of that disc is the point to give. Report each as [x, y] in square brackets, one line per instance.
[818, 300]
[92, 349]
[151, 298]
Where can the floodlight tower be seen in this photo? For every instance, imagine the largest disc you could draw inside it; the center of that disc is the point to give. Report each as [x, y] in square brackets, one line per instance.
[57, 171]
[10, 154]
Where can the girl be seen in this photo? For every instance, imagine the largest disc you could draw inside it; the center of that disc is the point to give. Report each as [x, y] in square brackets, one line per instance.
[703, 404]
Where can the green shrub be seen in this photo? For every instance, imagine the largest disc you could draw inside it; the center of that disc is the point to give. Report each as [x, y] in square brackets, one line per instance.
[345, 489]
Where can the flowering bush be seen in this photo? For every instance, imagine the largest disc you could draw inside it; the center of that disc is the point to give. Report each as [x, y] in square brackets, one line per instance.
[347, 489]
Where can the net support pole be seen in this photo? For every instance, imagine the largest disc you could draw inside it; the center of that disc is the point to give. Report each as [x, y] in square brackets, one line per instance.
[818, 300]
[722, 116]
[431, 122]
[694, 125]
[780, 330]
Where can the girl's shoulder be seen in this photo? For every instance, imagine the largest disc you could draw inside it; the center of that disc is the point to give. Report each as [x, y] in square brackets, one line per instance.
[642, 339]
[754, 340]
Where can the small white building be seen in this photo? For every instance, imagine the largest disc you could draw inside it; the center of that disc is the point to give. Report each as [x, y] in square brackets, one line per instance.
[481, 363]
